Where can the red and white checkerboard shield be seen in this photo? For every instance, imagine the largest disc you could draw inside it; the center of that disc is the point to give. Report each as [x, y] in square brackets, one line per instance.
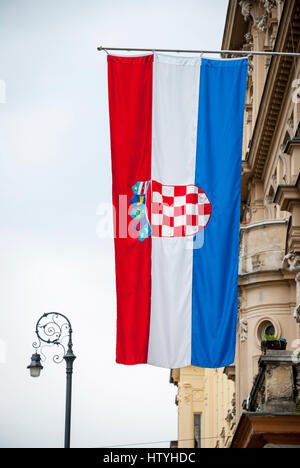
[178, 211]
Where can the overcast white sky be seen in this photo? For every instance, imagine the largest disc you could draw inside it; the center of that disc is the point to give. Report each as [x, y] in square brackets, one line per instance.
[54, 173]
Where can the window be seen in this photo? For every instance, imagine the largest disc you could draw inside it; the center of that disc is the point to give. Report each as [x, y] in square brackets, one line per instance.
[197, 431]
[269, 330]
[266, 328]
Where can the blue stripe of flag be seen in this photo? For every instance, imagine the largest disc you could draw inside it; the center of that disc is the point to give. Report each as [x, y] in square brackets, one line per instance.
[218, 173]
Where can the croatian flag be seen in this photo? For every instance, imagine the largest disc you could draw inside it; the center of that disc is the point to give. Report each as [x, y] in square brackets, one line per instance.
[176, 139]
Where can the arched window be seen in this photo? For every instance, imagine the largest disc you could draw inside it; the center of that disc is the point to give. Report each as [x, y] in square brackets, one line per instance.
[266, 328]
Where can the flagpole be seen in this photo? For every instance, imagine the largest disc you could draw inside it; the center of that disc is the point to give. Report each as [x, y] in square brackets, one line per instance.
[188, 51]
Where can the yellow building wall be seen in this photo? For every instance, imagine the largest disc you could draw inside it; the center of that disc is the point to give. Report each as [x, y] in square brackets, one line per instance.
[207, 392]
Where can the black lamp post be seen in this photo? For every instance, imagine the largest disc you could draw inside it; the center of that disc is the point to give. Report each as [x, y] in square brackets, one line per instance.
[55, 329]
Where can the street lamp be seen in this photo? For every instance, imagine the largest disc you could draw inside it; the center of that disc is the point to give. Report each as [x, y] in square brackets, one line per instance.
[53, 328]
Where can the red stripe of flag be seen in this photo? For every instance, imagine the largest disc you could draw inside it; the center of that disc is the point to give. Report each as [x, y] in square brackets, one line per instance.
[130, 108]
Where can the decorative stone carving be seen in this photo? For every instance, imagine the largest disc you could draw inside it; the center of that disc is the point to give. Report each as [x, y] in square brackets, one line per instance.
[291, 262]
[243, 324]
[253, 8]
[229, 417]
[197, 395]
[240, 300]
[248, 212]
[246, 6]
[249, 44]
[249, 40]
[284, 163]
[274, 180]
[243, 330]
[269, 206]
[233, 402]
[187, 393]
[250, 66]
[290, 127]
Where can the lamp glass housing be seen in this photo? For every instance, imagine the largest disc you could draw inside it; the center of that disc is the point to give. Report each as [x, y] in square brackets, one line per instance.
[35, 366]
[35, 371]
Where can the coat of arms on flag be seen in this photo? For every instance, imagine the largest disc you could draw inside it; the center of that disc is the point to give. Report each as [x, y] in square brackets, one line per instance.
[183, 117]
[176, 211]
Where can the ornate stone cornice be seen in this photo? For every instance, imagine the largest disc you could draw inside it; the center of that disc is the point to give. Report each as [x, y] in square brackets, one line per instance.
[291, 144]
[287, 195]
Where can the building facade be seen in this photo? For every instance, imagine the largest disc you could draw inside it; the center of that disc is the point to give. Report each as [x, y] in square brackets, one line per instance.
[269, 270]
